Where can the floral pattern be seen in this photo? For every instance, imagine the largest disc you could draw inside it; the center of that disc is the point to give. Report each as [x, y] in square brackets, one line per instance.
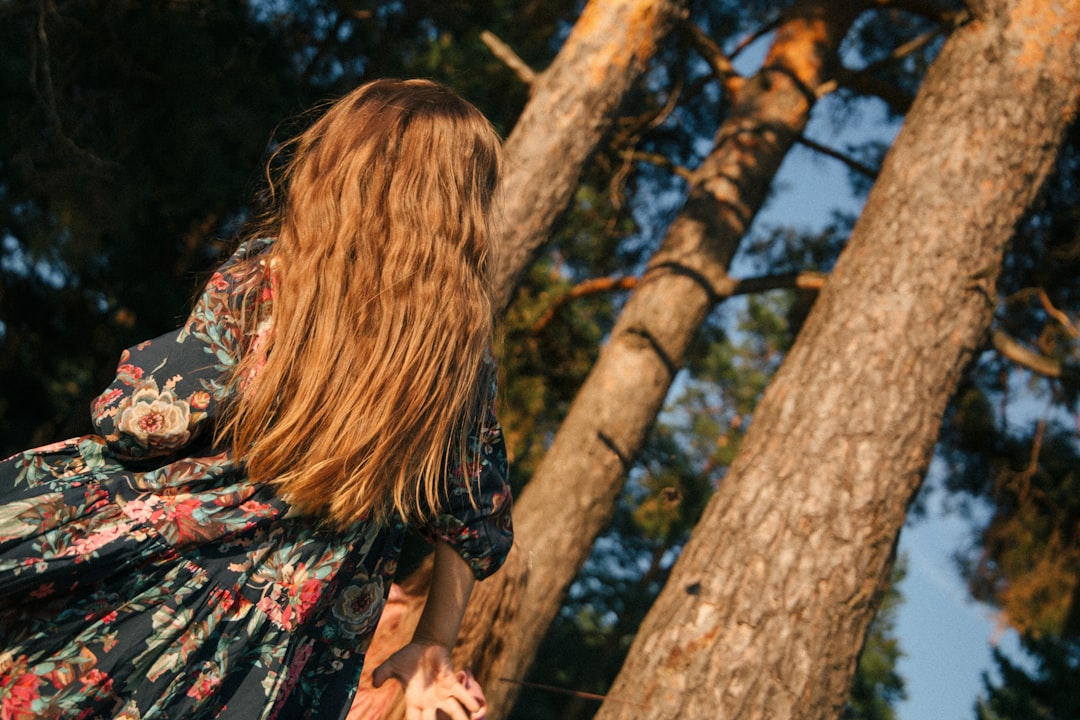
[142, 575]
[154, 418]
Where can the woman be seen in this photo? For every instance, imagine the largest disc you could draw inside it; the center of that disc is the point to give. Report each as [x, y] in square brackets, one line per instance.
[223, 545]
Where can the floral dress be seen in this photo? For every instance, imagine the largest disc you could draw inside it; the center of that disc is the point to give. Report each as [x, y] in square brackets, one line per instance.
[142, 575]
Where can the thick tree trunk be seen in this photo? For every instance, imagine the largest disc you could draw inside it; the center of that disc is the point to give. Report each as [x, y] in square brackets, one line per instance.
[766, 610]
[573, 104]
[571, 496]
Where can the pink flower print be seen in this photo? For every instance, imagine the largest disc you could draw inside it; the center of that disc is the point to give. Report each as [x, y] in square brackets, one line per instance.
[98, 609]
[129, 374]
[272, 610]
[181, 506]
[218, 282]
[199, 400]
[301, 591]
[96, 678]
[256, 509]
[180, 513]
[140, 510]
[270, 289]
[16, 704]
[258, 343]
[309, 595]
[105, 399]
[207, 682]
[83, 547]
[230, 602]
[43, 591]
[155, 419]
[299, 661]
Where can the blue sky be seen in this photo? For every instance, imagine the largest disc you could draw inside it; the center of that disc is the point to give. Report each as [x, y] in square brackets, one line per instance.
[946, 637]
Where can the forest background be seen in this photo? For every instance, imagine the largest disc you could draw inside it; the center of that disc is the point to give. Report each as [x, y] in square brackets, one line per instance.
[132, 140]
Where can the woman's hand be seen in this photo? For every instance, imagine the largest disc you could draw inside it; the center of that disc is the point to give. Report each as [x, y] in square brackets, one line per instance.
[433, 691]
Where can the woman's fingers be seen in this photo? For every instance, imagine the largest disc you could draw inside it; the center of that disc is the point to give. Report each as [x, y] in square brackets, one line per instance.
[433, 691]
[459, 703]
[462, 695]
[451, 709]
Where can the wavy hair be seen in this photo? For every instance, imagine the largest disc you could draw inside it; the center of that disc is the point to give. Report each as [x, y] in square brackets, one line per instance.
[373, 371]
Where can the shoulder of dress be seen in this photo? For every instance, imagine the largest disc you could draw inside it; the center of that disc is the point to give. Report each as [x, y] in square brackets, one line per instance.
[249, 249]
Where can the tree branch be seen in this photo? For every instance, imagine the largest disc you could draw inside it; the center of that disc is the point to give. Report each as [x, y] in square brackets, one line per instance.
[866, 80]
[1058, 315]
[591, 286]
[807, 280]
[660, 160]
[863, 83]
[628, 136]
[720, 63]
[929, 9]
[755, 36]
[851, 162]
[1025, 357]
[43, 89]
[902, 51]
[504, 52]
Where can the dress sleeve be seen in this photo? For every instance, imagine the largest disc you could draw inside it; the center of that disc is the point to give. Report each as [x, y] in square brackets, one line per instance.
[168, 390]
[475, 518]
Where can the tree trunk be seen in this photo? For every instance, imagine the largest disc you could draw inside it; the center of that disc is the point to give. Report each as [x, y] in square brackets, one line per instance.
[573, 104]
[766, 610]
[571, 496]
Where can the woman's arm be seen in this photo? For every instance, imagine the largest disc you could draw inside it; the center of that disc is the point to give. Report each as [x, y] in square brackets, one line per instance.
[423, 667]
[451, 583]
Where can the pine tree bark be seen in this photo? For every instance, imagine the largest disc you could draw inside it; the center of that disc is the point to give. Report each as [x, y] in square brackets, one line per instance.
[766, 610]
[573, 104]
[571, 496]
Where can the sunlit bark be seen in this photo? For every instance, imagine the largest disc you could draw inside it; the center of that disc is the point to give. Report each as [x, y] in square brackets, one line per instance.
[766, 610]
[572, 106]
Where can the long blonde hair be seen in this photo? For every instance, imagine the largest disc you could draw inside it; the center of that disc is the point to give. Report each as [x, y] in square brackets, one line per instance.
[373, 371]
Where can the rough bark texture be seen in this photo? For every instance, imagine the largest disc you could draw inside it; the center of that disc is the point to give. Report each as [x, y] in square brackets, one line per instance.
[571, 496]
[573, 104]
[766, 610]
